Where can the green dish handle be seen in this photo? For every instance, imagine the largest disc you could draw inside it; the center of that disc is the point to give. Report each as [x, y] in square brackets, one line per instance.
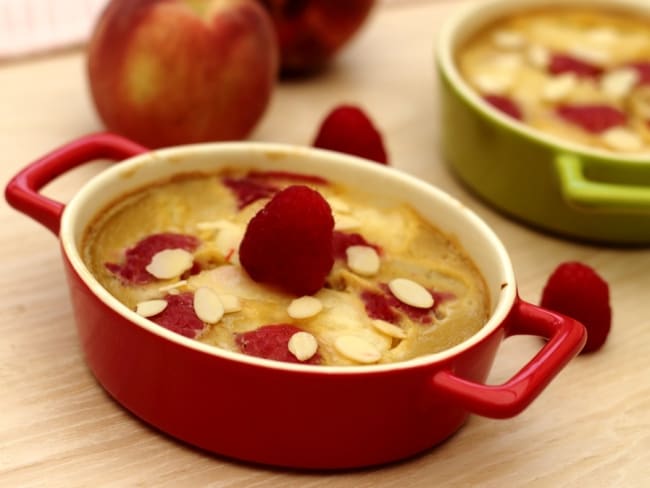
[615, 185]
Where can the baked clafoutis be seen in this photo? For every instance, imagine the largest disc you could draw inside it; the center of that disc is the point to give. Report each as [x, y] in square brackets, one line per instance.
[580, 74]
[287, 266]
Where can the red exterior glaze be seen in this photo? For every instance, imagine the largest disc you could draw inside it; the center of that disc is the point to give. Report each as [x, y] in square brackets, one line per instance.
[300, 418]
[309, 419]
[566, 338]
[22, 190]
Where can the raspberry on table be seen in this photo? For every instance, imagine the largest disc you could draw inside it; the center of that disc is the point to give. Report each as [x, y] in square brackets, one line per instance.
[349, 130]
[288, 243]
[576, 290]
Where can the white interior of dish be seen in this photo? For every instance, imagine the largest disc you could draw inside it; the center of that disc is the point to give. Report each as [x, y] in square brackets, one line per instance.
[474, 16]
[439, 208]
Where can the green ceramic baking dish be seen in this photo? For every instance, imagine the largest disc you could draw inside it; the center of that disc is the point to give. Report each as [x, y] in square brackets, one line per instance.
[558, 186]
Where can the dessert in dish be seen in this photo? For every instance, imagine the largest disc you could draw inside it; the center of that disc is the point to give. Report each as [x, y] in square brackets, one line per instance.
[287, 266]
[577, 73]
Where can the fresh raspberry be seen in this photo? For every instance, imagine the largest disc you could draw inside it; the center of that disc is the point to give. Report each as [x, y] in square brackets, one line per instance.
[563, 63]
[272, 342]
[506, 105]
[348, 129]
[179, 315]
[288, 243]
[136, 258]
[576, 290]
[592, 118]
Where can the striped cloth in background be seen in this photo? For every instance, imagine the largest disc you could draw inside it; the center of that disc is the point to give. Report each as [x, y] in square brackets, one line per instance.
[35, 26]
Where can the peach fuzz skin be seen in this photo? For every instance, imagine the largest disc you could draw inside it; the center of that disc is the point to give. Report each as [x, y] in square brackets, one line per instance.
[173, 72]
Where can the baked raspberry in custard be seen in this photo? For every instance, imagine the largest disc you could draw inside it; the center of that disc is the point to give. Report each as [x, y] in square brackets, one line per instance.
[288, 267]
[580, 74]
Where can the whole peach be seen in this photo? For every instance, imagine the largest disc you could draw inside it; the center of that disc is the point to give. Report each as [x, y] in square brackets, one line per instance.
[311, 32]
[168, 72]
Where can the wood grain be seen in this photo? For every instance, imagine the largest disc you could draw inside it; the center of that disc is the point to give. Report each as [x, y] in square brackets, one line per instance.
[591, 427]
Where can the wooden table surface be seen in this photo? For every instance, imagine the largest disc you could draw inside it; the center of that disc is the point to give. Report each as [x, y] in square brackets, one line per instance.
[589, 428]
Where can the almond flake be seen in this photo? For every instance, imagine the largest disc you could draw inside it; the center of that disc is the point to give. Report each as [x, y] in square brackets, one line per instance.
[231, 303]
[619, 82]
[149, 308]
[363, 260]
[228, 240]
[596, 56]
[303, 345]
[170, 263]
[508, 39]
[304, 307]
[492, 83]
[559, 87]
[411, 293]
[207, 305]
[622, 139]
[356, 349]
[538, 56]
[173, 286]
[389, 329]
[345, 222]
[213, 225]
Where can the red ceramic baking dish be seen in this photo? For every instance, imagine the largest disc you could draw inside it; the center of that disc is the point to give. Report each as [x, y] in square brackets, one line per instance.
[272, 412]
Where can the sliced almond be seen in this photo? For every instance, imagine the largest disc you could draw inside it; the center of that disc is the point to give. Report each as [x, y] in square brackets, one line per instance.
[492, 83]
[170, 263]
[228, 240]
[303, 345]
[619, 82]
[622, 139]
[411, 293]
[149, 308]
[356, 349]
[207, 305]
[363, 260]
[559, 87]
[304, 307]
[590, 55]
[231, 303]
[173, 286]
[538, 56]
[389, 329]
[506, 39]
[213, 225]
[345, 222]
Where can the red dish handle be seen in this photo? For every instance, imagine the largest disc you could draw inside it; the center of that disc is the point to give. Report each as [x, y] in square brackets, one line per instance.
[22, 190]
[566, 338]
